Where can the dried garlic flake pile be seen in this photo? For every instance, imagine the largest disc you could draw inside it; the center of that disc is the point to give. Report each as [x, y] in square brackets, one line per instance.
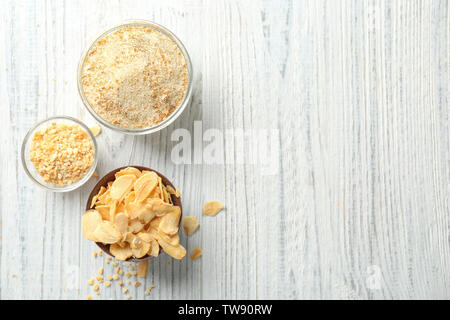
[135, 215]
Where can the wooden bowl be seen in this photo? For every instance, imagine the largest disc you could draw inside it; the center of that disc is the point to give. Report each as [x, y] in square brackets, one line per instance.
[110, 176]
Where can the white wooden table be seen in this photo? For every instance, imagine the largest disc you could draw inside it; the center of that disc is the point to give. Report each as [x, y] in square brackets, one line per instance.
[357, 95]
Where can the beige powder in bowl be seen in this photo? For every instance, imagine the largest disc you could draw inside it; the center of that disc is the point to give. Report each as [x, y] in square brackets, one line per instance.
[134, 77]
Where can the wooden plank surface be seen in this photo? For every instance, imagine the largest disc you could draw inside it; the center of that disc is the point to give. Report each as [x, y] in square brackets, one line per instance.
[352, 200]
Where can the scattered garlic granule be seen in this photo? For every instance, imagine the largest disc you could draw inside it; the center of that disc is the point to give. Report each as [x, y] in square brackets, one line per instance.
[197, 252]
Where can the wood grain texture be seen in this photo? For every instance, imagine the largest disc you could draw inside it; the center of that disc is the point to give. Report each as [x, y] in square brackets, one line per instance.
[357, 93]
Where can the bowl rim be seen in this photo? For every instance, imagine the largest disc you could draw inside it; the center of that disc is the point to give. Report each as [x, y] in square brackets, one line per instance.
[174, 115]
[110, 176]
[24, 157]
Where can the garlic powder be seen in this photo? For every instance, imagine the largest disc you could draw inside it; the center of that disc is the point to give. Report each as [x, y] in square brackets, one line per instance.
[134, 77]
